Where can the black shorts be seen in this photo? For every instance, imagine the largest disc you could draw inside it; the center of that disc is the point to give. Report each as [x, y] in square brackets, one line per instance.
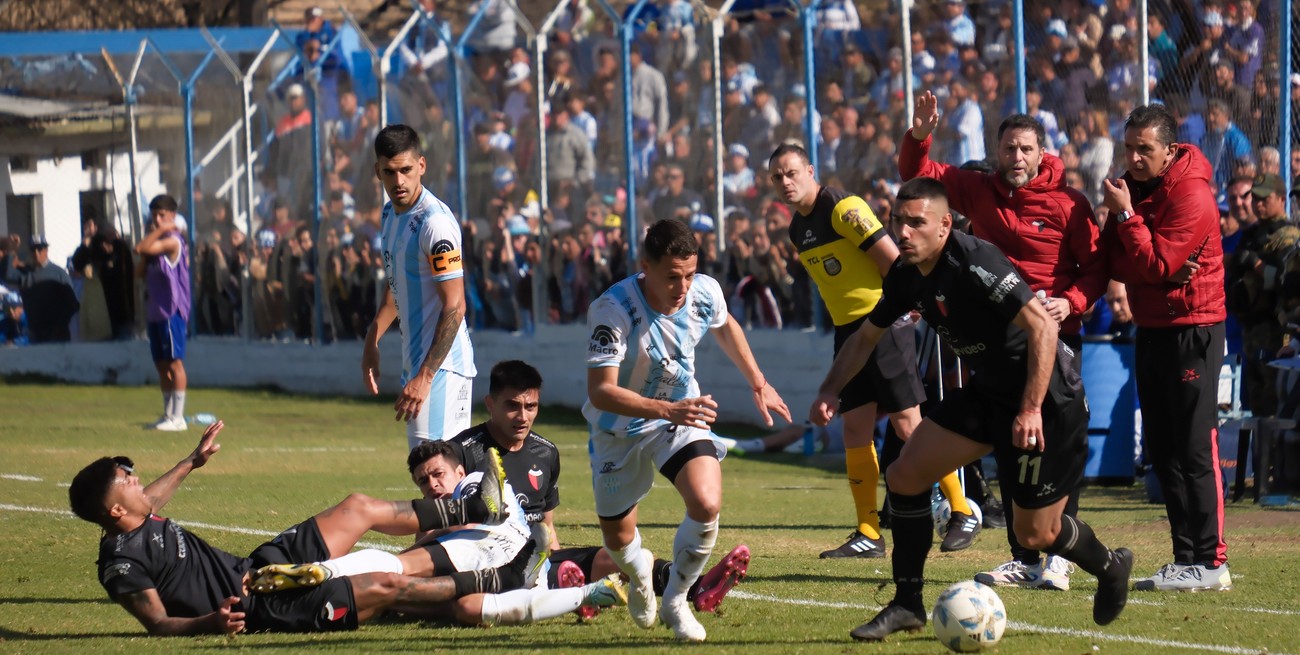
[984, 413]
[583, 556]
[890, 377]
[326, 608]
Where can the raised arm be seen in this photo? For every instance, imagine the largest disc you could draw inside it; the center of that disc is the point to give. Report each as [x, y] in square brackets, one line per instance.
[732, 340]
[160, 491]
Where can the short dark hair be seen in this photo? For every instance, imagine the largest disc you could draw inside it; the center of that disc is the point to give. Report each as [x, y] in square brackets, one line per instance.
[669, 238]
[429, 449]
[163, 202]
[90, 486]
[789, 148]
[1023, 122]
[513, 374]
[1158, 117]
[921, 188]
[395, 140]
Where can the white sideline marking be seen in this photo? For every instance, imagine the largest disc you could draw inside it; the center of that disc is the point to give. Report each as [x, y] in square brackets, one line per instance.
[1016, 625]
[20, 478]
[1027, 627]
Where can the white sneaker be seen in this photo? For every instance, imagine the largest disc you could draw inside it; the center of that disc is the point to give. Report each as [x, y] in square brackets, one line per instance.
[1012, 574]
[1187, 577]
[1056, 575]
[641, 599]
[171, 425]
[677, 615]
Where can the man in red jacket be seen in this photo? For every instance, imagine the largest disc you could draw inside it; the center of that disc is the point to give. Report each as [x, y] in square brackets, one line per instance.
[1163, 216]
[1047, 231]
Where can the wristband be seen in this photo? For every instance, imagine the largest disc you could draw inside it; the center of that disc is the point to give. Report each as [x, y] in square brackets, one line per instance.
[1034, 410]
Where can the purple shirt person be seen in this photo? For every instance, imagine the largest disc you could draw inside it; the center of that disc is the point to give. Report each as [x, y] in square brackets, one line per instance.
[165, 267]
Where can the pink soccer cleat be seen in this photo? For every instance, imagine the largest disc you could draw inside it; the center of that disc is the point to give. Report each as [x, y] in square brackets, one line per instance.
[721, 578]
[569, 576]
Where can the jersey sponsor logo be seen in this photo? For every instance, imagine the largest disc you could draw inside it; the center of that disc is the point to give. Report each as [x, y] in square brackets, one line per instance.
[445, 257]
[157, 539]
[939, 301]
[535, 477]
[521, 499]
[603, 340]
[990, 280]
[702, 308]
[1046, 488]
[963, 351]
[181, 548]
[832, 266]
[608, 467]
[331, 613]
[808, 238]
[858, 222]
[115, 571]
[1004, 287]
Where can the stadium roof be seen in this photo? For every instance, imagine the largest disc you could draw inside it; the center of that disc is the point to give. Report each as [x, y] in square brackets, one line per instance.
[171, 41]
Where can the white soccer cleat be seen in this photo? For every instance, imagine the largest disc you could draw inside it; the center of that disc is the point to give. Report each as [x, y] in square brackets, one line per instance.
[1012, 574]
[641, 599]
[177, 424]
[1056, 574]
[1187, 577]
[678, 616]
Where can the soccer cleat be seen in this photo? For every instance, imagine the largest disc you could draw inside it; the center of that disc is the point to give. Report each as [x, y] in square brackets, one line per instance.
[858, 545]
[1013, 574]
[175, 424]
[721, 579]
[962, 529]
[608, 591]
[1188, 577]
[678, 616]
[994, 516]
[490, 488]
[894, 618]
[1112, 587]
[641, 599]
[569, 576]
[1055, 576]
[283, 577]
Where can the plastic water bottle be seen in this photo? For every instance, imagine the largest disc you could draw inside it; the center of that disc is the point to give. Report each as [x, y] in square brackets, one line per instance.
[809, 439]
[202, 419]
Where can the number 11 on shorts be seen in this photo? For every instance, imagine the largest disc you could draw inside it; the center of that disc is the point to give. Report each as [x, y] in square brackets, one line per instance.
[1028, 462]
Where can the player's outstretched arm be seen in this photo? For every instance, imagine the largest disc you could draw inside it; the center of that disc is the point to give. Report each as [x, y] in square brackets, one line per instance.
[370, 352]
[605, 394]
[853, 356]
[160, 491]
[732, 339]
[148, 609]
[1027, 428]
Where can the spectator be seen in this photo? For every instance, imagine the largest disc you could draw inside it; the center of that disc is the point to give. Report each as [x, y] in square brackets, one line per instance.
[1162, 47]
[49, 301]
[960, 28]
[962, 128]
[292, 139]
[1199, 58]
[856, 77]
[582, 119]
[316, 28]
[1098, 154]
[675, 47]
[93, 323]
[165, 267]
[649, 95]
[1253, 298]
[677, 201]
[520, 95]
[1224, 87]
[1055, 137]
[570, 159]
[1245, 45]
[13, 322]
[482, 162]
[739, 184]
[1224, 143]
[496, 30]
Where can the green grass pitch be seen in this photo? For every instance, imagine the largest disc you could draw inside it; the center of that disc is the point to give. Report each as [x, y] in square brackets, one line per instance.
[285, 457]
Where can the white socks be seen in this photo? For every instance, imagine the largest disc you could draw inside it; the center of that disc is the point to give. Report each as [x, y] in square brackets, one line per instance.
[174, 405]
[754, 445]
[363, 561]
[692, 546]
[630, 561]
[529, 605]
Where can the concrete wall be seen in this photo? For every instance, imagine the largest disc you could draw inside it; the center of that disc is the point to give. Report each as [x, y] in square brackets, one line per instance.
[794, 363]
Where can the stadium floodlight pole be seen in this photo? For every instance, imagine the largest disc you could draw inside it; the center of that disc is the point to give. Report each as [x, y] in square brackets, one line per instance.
[458, 100]
[386, 59]
[1284, 113]
[715, 38]
[909, 90]
[807, 17]
[1144, 52]
[1018, 34]
[129, 99]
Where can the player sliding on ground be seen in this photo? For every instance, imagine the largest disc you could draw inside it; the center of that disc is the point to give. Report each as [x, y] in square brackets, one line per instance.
[174, 583]
[1025, 403]
[646, 414]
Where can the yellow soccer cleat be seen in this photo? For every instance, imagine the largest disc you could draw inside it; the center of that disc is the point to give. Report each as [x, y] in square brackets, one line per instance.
[283, 577]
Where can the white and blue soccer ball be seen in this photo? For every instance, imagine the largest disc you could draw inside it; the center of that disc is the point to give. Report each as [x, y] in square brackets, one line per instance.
[969, 617]
[941, 511]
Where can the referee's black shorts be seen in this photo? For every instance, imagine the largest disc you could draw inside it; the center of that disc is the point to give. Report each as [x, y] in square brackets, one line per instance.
[890, 378]
[983, 411]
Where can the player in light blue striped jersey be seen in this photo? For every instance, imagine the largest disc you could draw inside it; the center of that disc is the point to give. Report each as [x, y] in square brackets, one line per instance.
[646, 413]
[426, 290]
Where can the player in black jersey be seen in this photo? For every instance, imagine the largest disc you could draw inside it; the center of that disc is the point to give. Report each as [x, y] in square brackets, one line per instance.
[174, 583]
[532, 464]
[1024, 402]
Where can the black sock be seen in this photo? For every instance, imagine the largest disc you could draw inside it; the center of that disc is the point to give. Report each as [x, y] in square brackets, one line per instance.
[913, 530]
[659, 575]
[1077, 543]
[435, 513]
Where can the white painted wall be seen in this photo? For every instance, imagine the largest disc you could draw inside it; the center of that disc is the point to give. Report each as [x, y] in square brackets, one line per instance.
[794, 363]
[59, 182]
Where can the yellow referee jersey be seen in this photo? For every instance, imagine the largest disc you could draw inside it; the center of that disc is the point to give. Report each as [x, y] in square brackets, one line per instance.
[833, 242]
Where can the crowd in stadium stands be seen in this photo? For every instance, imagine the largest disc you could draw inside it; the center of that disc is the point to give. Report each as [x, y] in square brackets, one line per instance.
[1214, 63]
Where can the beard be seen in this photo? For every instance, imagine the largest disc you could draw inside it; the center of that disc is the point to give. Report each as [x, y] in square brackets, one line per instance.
[1017, 180]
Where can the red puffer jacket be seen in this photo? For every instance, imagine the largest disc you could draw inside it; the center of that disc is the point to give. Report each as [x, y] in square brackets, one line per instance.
[1045, 228]
[1179, 220]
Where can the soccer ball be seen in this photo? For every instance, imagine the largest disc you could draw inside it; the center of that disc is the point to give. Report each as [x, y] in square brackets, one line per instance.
[969, 617]
[941, 510]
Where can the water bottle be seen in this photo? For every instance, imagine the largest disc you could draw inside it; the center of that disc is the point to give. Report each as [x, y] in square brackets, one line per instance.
[202, 419]
[809, 439]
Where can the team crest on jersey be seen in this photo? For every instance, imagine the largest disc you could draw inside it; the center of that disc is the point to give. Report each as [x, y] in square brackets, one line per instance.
[535, 477]
[116, 570]
[331, 613]
[940, 302]
[832, 266]
[602, 341]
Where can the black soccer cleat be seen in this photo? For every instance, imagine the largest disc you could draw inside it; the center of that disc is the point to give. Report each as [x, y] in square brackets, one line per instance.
[962, 529]
[1112, 587]
[994, 516]
[894, 618]
[858, 545]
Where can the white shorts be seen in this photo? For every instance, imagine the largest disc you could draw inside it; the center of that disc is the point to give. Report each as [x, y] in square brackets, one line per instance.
[445, 412]
[475, 550]
[623, 469]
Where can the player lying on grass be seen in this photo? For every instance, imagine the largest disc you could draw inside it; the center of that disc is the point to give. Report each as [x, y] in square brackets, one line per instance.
[175, 583]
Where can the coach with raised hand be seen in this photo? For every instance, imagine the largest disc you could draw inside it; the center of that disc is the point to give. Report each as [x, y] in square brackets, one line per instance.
[1163, 240]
